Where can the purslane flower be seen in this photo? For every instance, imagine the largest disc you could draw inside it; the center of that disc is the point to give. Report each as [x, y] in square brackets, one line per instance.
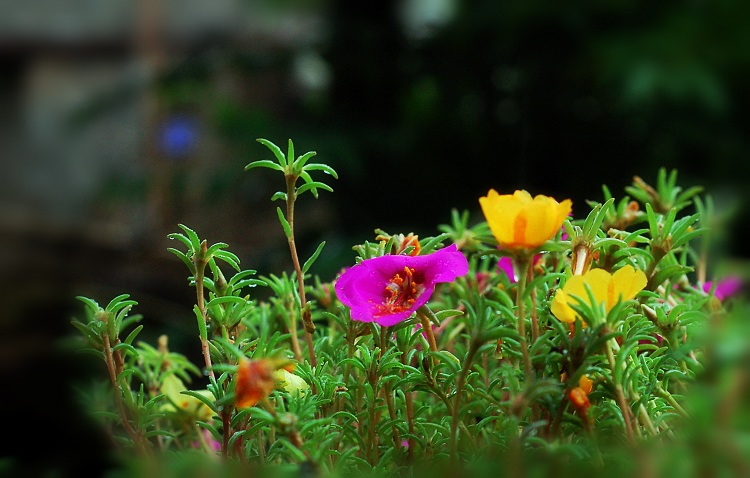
[607, 289]
[254, 382]
[172, 387]
[389, 289]
[579, 396]
[724, 288]
[257, 378]
[519, 221]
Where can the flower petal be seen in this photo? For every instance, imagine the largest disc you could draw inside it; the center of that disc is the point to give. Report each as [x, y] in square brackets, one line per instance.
[561, 309]
[368, 287]
[627, 281]
[520, 221]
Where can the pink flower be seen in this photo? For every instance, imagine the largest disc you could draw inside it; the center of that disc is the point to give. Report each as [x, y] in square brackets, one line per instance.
[724, 288]
[505, 264]
[210, 442]
[389, 289]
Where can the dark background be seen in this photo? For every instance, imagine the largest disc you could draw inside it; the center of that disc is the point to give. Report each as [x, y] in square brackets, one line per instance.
[121, 120]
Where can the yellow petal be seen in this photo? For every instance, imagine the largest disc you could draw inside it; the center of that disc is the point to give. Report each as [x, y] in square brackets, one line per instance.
[500, 213]
[598, 281]
[172, 387]
[541, 221]
[627, 281]
[586, 384]
[520, 221]
[290, 382]
[561, 309]
[563, 210]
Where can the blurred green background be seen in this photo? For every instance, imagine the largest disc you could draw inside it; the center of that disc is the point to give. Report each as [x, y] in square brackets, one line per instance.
[122, 119]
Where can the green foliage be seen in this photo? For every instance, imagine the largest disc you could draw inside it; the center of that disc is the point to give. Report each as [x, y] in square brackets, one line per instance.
[363, 398]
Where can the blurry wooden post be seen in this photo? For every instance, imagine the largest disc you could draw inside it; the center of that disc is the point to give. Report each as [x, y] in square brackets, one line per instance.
[150, 46]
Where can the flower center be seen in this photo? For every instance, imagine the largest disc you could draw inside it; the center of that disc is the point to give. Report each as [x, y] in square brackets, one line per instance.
[401, 292]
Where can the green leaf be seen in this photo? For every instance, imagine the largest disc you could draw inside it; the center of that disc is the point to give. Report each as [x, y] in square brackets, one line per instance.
[214, 248]
[431, 243]
[202, 398]
[275, 150]
[314, 186]
[202, 330]
[279, 195]
[92, 304]
[444, 314]
[133, 334]
[308, 263]
[290, 153]
[265, 163]
[182, 238]
[652, 222]
[299, 164]
[117, 302]
[284, 223]
[184, 258]
[228, 257]
[321, 167]
[194, 239]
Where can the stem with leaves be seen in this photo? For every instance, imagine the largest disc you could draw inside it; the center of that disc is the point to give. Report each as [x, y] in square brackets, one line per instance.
[523, 261]
[199, 263]
[456, 412]
[291, 197]
[622, 402]
[293, 169]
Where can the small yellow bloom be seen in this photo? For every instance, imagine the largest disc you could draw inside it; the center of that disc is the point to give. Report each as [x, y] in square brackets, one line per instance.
[172, 387]
[519, 221]
[606, 288]
[290, 382]
[585, 384]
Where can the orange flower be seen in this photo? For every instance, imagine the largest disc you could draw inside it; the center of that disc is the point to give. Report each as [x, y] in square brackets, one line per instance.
[254, 382]
[519, 221]
[607, 289]
[579, 396]
[580, 400]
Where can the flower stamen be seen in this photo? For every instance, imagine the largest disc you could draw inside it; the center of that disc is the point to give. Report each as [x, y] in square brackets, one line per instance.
[403, 291]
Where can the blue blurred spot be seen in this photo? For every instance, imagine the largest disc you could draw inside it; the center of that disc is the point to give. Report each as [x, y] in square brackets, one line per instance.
[179, 137]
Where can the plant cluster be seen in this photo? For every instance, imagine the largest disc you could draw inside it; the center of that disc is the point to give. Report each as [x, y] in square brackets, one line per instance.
[533, 340]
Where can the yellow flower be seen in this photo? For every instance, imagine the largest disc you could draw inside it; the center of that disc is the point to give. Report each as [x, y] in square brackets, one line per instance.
[606, 288]
[172, 387]
[519, 221]
[290, 382]
[585, 384]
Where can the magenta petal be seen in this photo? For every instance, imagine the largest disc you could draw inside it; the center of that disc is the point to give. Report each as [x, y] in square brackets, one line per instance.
[505, 264]
[364, 287]
[725, 287]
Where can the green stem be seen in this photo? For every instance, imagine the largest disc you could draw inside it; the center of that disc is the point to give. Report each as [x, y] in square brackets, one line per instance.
[200, 268]
[291, 197]
[627, 414]
[385, 333]
[409, 399]
[372, 437]
[293, 333]
[460, 383]
[134, 435]
[424, 312]
[671, 400]
[522, 264]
